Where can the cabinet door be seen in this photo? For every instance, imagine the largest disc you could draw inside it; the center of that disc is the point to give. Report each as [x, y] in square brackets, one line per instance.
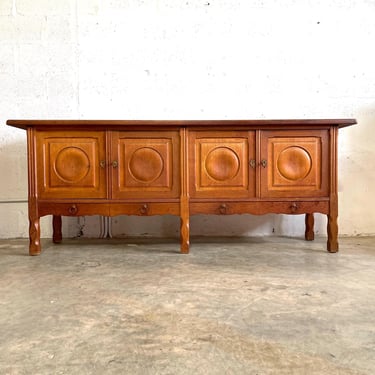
[146, 164]
[222, 164]
[70, 164]
[294, 163]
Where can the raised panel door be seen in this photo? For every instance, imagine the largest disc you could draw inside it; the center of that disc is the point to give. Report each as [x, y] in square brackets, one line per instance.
[222, 164]
[294, 163]
[70, 164]
[145, 164]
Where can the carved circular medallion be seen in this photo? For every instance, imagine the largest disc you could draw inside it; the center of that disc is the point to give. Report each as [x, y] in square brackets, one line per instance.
[294, 163]
[72, 164]
[222, 164]
[146, 165]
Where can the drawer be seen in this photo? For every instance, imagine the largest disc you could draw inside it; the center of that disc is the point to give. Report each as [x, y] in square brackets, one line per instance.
[73, 209]
[259, 207]
[145, 208]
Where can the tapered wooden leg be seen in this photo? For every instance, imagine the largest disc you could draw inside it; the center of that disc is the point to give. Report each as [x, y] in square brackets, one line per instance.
[56, 225]
[185, 226]
[184, 198]
[332, 232]
[185, 242]
[34, 235]
[309, 227]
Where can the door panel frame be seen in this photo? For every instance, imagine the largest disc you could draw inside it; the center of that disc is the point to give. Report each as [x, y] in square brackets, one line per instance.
[274, 185]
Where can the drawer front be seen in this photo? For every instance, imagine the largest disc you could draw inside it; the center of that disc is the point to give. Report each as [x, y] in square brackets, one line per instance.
[222, 164]
[72, 209]
[70, 164]
[147, 164]
[294, 163]
[145, 208]
[259, 207]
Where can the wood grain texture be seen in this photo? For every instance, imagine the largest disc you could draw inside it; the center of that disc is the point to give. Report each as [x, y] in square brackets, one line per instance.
[332, 225]
[258, 207]
[296, 163]
[34, 236]
[332, 232]
[148, 164]
[309, 227]
[128, 124]
[184, 199]
[69, 164]
[221, 165]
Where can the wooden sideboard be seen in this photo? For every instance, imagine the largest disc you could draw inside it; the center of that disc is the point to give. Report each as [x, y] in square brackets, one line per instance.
[182, 168]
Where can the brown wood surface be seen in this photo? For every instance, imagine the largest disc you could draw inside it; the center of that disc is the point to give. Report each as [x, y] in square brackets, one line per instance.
[294, 163]
[147, 164]
[154, 167]
[69, 164]
[332, 226]
[259, 207]
[284, 123]
[309, 227]
[222, 164]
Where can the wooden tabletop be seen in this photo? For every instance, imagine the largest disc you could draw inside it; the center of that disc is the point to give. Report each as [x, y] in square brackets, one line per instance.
[26, 123]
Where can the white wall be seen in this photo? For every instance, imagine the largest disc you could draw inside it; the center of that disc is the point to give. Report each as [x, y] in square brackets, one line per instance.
[191, 59]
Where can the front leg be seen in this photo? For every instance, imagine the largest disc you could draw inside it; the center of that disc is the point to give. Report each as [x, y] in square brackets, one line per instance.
[332, 231]
[185, 226]
[185, 242]
[34, 235]
[309, 227]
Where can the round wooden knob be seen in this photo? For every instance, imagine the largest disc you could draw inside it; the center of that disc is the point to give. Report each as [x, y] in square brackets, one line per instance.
[144, 209]
[294, 207]
[223, 208]
[73, 209]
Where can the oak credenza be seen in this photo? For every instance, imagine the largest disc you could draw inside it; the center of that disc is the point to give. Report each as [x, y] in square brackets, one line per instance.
[182, 168]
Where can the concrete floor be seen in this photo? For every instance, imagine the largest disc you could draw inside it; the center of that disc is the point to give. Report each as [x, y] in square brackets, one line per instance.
[232, 306]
